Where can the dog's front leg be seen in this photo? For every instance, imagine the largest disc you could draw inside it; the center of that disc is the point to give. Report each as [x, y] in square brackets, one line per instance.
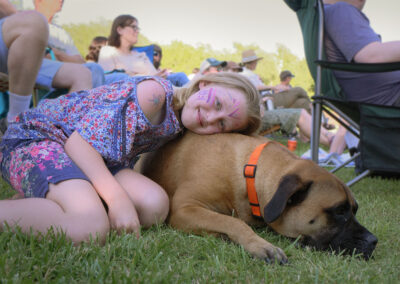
[197, 219]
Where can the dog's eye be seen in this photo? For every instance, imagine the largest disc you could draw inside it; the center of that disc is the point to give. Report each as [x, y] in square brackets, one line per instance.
[311, 222]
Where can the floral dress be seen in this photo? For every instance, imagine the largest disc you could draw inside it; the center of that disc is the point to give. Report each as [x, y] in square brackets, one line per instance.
[109, 118]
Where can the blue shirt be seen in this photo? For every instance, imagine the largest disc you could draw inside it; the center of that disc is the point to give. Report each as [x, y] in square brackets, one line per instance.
[347, 31]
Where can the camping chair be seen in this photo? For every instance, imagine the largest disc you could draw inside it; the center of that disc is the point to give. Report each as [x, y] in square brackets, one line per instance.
[39, 92]
[148, 49]
[378, 127]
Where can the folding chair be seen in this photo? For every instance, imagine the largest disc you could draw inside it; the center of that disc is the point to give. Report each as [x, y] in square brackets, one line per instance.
[148, 49]
[38, 93]
[378, 127]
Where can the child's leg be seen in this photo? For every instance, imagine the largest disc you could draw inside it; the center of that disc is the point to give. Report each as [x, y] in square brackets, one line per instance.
[150, 199]
[72, 206]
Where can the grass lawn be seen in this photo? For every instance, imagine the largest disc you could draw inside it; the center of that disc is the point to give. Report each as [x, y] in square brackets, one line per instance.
[163, 255]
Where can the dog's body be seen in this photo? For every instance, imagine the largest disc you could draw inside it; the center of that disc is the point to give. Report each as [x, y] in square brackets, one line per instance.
[203, 176]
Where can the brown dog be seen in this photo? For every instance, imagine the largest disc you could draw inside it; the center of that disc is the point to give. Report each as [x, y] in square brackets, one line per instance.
[204, 178]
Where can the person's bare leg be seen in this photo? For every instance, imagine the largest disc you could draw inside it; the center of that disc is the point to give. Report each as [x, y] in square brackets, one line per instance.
[338, 143]
[72, 206]
[150, 199]
[73, 76]
[305, 124]
[26, 35]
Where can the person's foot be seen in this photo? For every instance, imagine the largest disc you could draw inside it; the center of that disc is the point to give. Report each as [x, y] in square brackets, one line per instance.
[328, 126]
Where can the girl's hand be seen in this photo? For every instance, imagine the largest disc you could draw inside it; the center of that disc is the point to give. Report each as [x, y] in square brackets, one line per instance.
[123, 216]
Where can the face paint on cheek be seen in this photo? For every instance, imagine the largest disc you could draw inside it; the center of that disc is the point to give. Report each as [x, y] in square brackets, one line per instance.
[211, 96]
[235, 108]
[204, 95]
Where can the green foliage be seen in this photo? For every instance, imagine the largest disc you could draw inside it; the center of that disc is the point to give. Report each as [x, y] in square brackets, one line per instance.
[82, 34]
[182, 57]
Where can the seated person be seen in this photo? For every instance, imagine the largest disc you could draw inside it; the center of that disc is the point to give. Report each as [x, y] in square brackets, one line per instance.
[289, 119]
[210, 65]
[61, 43]
[288, 97]
[94, 48]
[119, 55]
[232, 66]
[178, 79]
[194, 72]
[350, 38]
[21, 56]
[249, 63]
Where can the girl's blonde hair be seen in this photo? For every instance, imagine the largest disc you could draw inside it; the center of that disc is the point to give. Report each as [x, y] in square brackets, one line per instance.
[229, 80]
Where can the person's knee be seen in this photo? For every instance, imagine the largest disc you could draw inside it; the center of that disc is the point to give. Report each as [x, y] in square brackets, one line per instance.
[29, 25]
[32, 24]
[97, 73]
[154, 208]
[92, 226]
[75, 77]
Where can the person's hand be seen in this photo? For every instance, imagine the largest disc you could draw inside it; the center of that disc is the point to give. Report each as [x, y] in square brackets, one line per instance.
[123, 217]
[162, 73]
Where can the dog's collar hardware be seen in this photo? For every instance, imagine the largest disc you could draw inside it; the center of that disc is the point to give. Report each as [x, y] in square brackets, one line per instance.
[249, 172]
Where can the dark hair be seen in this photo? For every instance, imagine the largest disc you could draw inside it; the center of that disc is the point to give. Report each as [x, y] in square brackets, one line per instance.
[94, 48]
[120, 21]
[99, 39]
[157, 48]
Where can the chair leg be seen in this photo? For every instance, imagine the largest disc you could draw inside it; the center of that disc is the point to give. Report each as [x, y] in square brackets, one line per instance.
[315, 129]
[35, 97]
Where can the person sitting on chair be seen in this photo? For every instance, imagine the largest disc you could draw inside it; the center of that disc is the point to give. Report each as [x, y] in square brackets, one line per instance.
[350, 38]
[94, 48]
[119, 55]
[178, 79]
[23, 39]
[290, 97]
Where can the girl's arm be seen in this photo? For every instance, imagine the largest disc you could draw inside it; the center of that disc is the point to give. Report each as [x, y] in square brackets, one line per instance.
[121, 211]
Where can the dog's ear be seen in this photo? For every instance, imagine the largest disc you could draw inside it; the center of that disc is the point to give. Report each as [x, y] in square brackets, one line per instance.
[291, 191]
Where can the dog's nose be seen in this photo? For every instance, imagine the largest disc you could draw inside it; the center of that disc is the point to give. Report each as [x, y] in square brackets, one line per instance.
[371, 241]
[370, 244]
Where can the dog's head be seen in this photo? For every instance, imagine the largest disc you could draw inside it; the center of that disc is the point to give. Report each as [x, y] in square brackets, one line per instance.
[314, 204]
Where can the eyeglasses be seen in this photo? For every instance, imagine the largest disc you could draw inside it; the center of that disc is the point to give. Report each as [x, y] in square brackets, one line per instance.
[156, 53]
[134, 27]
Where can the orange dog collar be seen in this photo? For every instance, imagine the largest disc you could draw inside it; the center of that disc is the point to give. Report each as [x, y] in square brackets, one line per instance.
[249, 172]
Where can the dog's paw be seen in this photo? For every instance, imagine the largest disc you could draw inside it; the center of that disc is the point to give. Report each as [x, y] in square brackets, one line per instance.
[262, 249]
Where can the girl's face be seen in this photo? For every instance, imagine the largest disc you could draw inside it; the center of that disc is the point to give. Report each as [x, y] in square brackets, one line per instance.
[215, 109]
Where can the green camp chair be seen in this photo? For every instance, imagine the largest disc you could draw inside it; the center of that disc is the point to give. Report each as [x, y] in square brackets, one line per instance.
[377, 127]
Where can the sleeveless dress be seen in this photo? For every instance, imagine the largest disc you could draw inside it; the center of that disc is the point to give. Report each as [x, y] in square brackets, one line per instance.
[109, 118]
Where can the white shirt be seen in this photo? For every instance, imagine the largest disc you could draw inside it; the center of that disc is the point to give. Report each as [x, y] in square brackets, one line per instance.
[134, 63]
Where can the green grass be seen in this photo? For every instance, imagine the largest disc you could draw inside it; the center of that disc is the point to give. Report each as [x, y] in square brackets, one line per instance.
[164, 255]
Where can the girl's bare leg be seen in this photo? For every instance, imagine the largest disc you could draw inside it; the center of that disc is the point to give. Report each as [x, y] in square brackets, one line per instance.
[72, 206]
[150, 199]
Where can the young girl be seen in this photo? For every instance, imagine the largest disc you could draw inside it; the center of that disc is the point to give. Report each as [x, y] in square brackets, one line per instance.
[71, 153]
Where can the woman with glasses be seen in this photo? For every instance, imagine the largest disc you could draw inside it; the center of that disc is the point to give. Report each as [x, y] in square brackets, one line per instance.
[119, 55]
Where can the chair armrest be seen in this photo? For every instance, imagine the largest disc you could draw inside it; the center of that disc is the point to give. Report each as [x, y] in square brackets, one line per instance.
[360, 67]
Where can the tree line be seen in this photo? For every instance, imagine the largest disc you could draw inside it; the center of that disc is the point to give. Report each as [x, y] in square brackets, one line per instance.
[177, 53]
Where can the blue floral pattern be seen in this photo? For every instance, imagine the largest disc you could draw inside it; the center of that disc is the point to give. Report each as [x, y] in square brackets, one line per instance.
[108, 117]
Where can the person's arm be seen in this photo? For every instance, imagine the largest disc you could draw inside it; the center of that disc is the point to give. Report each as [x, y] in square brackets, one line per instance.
[6, 8]
[121, 211]
[64, 57]
[379, 52]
